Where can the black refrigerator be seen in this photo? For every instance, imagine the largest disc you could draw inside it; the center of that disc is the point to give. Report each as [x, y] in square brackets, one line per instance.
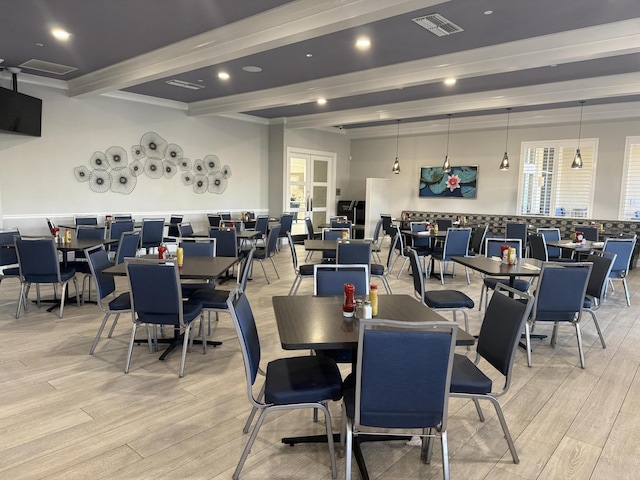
[354, 211]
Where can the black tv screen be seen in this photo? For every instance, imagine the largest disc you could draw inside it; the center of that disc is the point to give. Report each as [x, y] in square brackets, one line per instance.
[20, 113]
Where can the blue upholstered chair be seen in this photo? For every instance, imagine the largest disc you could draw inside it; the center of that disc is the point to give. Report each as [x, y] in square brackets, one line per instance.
[152, 233]
[330, 279]
[398, 248]
[127, 246]
[108, 302]
[559, 298]
[184, 229]
[269, 250]
[402, 381]
[517, 230]
[38, 262]
[290, 383]
[87, 232]
[262, 226]
[551, 235]
[597, 286]
[477, 240]
[329, 256]
[8, 257]
[444, 224]
[226, 216]
[173, 231]
[377, 240]
[214, 220]
[538, 247]
[497, 343]
[439, 300]
[86, 220]
[301, 271]
[286, 221]
[456, 244]
[116, 230]
[623, 248]
[200, 247]
[156, 299]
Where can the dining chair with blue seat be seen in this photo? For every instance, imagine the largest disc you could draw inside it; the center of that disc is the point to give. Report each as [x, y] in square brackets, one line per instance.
[87, 232]
[86, 221]
[116, 229]
[623, 248]
[152, 233]
[286, 222]
[340, 224]
[597, 286]
[156, 299]
[500, 331]
[262, 226]
[214, 220]
[185, 229]
[122, 216]
[492, 249]
[559, 298]
[377, 240]
[456, 244]
[402, 380]
[289, 383]
[226, 243]
[200, 247]
[440, 300]
[108, 301]
[311, 235]
[517, 230]
[226, 216]
[127, 246]
[38, 263]
[301, 271]
[421, 244]
[444, 224]
[8, 258]
[329, 256]
[269, 250]
[477, 240]
[398, 249]
[538, 247]
[551, 235]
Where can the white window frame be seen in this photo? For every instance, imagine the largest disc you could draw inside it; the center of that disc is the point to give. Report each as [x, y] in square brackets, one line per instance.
[562, 148]
[630, 172]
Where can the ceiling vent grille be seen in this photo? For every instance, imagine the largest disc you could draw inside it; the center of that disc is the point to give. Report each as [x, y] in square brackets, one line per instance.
[47, 67]
[437, 24]
[181, 83]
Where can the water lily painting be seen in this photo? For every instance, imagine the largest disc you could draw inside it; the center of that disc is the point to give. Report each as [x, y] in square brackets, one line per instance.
[459, 182]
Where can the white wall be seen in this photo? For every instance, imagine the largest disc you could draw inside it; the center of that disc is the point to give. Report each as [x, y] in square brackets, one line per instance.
[497, 190]
[37, 179]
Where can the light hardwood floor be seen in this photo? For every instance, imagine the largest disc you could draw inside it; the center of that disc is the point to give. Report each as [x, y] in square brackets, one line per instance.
[65, 414]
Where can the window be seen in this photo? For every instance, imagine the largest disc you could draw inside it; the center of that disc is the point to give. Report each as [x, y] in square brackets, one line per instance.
[548, 184]
[630, 191]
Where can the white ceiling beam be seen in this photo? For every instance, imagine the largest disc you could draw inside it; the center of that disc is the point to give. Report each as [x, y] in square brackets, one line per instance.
[290, 23]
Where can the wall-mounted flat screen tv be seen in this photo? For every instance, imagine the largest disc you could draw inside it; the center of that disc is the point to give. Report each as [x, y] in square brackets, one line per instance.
[20, 113]
[460, 182]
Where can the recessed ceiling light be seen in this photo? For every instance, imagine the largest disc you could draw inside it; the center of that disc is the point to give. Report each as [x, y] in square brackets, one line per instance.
[322, 101]
[224, 76]
[309, 55]
[252, 69]
[363, 43]
[39, 44]
[488, 12]
[450, 81]
[60, 34]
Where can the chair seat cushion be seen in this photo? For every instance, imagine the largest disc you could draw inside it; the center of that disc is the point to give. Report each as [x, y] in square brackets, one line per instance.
[188, 289]
[377, 269]
[588, 303]
[467, 378]
[121, 302]
[447, 299]
[302, 379]
[211, 298]
[306, 270]
[518, 284]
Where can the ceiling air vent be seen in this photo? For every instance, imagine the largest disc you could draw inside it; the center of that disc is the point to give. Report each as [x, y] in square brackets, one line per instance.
[183, 84]
[47, 67]
[437, 24]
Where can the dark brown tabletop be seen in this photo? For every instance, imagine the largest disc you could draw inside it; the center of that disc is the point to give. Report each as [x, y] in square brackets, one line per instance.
[80, 244]
[587, 246]
[526, 267]
[308, 322]
[424, 234]
[243, 235]
[319, 245]
[193, 267]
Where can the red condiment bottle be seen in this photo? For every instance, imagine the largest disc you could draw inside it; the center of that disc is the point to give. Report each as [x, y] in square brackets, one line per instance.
[349, 305]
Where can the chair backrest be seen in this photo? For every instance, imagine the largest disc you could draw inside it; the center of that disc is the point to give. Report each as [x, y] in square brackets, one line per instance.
[337, 224]
[590, 232]
[154, 286]
[623, 248]
[198, 247]
[38, 259]
[309, 225]
[91, 232]
[226, 242]
[225, 215]
[377, 231]
[247, 333]
[330, 279]
[286, 221]
[50, 224]
[333, 233]
[272, 240]
[122, 216]
[152, 229]
[456, 243]
[419, 227]
[7, 247]
[560, 291]
[262, 224]
[502, 326]
[174, 222]
[245, 268]
[127, 246]
[444, 224]
[294, 254]
[386, 223]
[116, 228]
[86, 220]
[492, 246]
[551, 235]
[397, 241]
[417, 274]
[477, 239]
[423, 352]
[517, 230]
[98, 259]
[214, 220]
[538, 247]
[184, 229]
[351, 252]
[602, 265]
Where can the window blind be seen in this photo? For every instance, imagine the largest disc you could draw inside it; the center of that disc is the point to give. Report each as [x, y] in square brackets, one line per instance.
[630, 192]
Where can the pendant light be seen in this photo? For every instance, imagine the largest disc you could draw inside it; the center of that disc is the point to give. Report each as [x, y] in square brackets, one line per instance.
[396, 164]
[446, 167]
[577, 160]
[504, 164]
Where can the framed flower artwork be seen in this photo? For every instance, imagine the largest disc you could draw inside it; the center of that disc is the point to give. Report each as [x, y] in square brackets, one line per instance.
[459, 182]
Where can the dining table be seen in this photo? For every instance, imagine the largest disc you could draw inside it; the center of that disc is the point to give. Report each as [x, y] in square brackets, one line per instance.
[193, 267]
[578, 247]
[307, 322]
[495, 267]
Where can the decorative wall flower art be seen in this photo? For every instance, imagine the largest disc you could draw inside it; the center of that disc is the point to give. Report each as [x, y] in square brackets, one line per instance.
[461, 182]
[156, 159]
